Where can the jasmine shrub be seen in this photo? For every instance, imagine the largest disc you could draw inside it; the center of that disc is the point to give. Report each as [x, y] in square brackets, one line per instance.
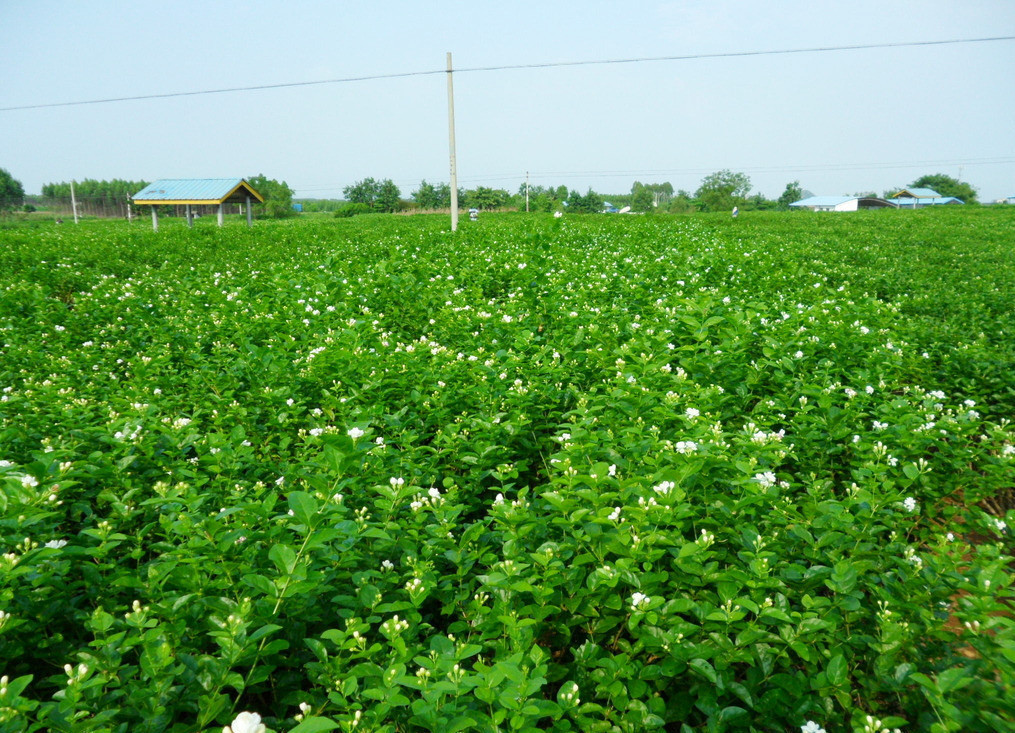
[587, 474]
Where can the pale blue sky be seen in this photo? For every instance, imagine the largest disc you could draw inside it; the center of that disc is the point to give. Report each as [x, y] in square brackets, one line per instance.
[838, 122]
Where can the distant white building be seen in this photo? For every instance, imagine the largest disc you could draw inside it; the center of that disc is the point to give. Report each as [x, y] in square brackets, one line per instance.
[842, 203]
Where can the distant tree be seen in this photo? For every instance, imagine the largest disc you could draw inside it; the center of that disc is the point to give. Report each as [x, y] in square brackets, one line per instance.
[363, 192]
[388, 196]
[947, 186]
[12, 193]
[723, 190]
[378, 195]
[641, 198]
[791, 195]
[486, 198]
[865, 195]
[682, 203]
[758, 202]
[590, 203]
[659, 193]
[426, 196]
[319, 205]
[278, 197]
[350, 209]
[103, 198]
[541, 198]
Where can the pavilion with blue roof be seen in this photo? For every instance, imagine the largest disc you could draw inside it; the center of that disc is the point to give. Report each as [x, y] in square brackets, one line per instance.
[190, 192]
[917, 198]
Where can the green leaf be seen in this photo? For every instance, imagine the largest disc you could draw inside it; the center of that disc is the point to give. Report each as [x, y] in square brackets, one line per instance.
[837, 670]
[731, 713]
[704, 668]
[460, 723]
[953, 679]
[304, 506]
[264, 631]
[314, 725]
[261, 583]
[284, 558]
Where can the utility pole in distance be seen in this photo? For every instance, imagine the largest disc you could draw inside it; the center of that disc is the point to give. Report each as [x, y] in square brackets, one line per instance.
[73, 202]
[451, 142]
[526, 192]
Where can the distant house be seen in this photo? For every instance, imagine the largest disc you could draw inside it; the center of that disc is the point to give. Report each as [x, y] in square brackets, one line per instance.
[918, 198]
[1010, 200]
[609, 208]
[842, 203]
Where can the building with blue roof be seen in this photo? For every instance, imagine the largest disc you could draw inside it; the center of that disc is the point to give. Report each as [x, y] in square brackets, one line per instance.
[917, 198]
[190, 192]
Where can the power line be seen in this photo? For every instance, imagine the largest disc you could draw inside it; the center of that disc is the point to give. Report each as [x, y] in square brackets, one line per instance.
[513, 67]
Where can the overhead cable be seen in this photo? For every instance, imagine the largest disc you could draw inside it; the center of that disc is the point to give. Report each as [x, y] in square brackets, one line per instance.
[512, 67]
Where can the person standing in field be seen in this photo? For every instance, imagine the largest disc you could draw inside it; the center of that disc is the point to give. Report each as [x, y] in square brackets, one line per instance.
[736, 212]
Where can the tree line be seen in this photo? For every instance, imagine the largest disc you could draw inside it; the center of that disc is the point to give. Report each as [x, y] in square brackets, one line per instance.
[719, 191]
[94, 198]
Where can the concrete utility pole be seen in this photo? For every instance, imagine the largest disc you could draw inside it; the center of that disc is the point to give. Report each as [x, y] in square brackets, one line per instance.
[526, 192]
[73, 202]
[451, 142]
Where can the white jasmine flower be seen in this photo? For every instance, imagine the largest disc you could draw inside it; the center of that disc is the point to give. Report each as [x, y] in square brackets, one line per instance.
[910, 504]
[355, 433]
[766, 479]
[811, 727]
[56, 544]
[639, 601]
[692, 412]
[663, 488]
[246, 723]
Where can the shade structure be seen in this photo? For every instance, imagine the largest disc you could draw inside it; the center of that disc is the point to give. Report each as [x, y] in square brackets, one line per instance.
[197, 191]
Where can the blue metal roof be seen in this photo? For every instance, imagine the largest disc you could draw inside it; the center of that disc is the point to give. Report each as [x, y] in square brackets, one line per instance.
[212, 190]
